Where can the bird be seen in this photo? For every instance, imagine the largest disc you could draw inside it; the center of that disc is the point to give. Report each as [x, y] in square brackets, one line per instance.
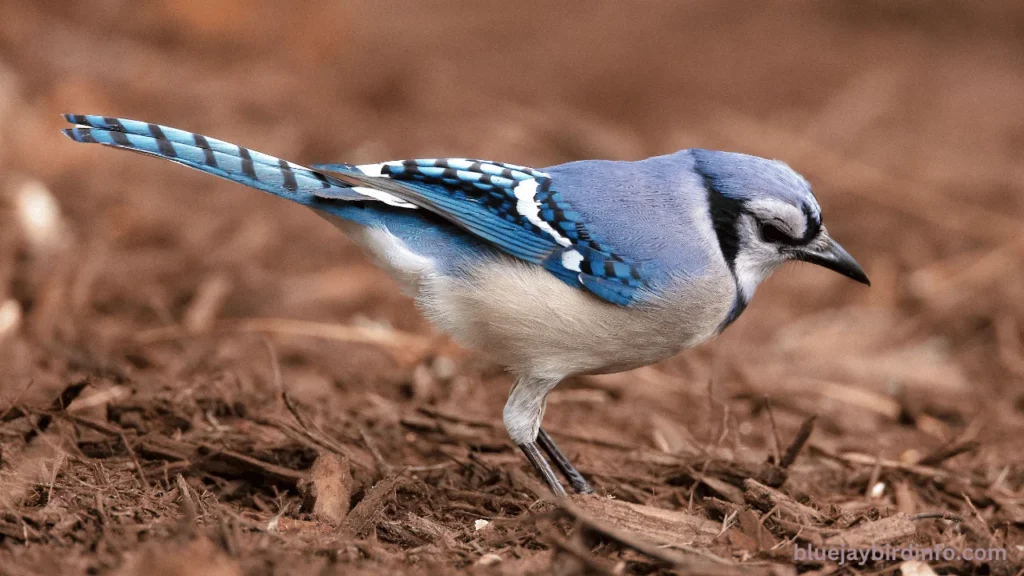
[587, 267]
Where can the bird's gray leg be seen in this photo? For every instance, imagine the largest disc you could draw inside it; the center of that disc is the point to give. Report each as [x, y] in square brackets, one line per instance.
[522, 417]
[576, 480]
[542, 467]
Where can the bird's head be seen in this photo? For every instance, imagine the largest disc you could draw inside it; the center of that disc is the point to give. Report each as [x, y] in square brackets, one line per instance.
[765, 215]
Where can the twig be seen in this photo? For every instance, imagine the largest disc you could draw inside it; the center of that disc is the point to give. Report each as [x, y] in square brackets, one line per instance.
[317, 441]
[922, 471]
[98, 426]
[719, 486]
[53, 476]
[295, 412]
[727, 521]
[272, 472]
[761, 529]
[385, 468]
[59, 404]
[802, 435]
[941, 515]
[310, 429]
[949, 451]
[432, 467]
[135, 460]
[980, 518]
[776, 443]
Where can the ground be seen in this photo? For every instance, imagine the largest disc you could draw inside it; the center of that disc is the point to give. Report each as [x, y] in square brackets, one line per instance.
[199, 378]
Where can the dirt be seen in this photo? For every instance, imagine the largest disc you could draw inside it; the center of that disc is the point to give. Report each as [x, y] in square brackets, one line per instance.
[198, 378]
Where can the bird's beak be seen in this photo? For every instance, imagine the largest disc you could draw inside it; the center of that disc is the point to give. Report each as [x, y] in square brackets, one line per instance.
[826, 252]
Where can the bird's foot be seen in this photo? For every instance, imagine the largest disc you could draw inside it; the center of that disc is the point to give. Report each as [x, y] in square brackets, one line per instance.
[533, 454]
[576, 480]
[543, 468]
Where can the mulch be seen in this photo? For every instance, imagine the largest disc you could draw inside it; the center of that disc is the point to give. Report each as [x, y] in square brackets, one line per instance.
[196, 378]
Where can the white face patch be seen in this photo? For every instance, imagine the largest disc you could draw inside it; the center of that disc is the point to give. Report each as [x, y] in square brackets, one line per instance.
[382, 196]
[755, 259]
[528, 207]
[782, 215]
[752, 268]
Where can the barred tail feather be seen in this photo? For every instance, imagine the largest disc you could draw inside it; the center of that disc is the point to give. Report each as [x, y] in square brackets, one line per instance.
[230, 161]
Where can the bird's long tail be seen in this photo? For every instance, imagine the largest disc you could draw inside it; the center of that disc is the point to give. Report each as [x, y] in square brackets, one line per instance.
[224, 159]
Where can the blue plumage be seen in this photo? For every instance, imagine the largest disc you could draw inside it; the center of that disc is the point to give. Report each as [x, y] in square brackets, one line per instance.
[515, 208]
[587, 267]
[436, 237]
[235, 163]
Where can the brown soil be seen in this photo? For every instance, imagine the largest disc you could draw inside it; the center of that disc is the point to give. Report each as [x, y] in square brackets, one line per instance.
[198, 378]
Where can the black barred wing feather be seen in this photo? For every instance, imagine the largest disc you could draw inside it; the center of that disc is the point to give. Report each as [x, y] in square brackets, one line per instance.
[518, 209]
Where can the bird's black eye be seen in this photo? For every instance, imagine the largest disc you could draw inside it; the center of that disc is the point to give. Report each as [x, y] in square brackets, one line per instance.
[774, 235]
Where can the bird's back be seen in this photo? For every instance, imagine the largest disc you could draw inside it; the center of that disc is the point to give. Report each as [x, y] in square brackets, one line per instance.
[654, 211]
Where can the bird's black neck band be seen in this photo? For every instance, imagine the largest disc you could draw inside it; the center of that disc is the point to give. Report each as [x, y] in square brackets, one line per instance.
[725, 218]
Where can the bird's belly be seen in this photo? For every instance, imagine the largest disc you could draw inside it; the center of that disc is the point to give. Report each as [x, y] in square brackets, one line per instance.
[533, 323]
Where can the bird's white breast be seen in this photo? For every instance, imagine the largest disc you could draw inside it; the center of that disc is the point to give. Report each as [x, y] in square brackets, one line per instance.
[533, 323]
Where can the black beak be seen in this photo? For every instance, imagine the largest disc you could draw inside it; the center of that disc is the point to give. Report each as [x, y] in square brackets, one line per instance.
[829, 254]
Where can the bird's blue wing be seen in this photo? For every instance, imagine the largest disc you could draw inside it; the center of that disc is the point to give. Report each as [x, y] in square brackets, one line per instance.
[515, 208]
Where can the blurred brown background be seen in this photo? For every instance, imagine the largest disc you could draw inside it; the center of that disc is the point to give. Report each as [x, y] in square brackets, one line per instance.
[169, 289]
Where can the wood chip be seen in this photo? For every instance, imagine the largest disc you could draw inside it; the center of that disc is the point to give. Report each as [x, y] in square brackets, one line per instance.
[892, 529]
[766, 498]
[364, 517]
[329, 488]
[666, 527]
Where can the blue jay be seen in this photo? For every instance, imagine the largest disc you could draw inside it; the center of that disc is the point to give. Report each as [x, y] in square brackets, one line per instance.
[582, 268]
